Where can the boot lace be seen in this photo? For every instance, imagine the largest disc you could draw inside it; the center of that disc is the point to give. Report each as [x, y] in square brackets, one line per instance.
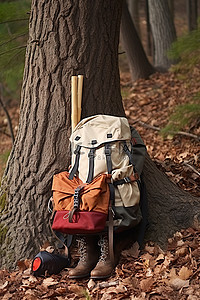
[103, 243]
[82, 249]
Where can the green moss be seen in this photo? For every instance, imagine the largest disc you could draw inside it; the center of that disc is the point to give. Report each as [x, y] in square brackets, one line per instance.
[182, 117]
[2, 202]
[3, 232]
[4, 156]
[125, 93]
[86, 294]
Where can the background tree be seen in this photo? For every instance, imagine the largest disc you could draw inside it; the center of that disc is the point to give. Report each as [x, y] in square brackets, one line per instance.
[192, 14]
[163, 32]
[133, 6]
[13, 38]
[138, 62]
[65, 38]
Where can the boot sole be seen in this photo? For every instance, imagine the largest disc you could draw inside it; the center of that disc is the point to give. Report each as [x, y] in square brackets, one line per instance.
[79, 276]
[100, 277]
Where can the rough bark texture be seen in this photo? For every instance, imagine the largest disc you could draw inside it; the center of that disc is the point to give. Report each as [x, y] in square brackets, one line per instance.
[170, 208]
[70, 37]
[138, 62]
[66, 38]
[163, 31]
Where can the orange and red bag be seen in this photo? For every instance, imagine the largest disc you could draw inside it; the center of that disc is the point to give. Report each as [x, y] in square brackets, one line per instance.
[80, 208]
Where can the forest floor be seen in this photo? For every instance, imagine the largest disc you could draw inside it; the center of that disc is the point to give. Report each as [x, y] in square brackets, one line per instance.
[151, 273]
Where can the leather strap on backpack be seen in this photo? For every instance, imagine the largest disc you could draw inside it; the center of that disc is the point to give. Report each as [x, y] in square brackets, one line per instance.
[112, 201]
[76, 164]
[76, 201]
[129, 179]
[91, 165]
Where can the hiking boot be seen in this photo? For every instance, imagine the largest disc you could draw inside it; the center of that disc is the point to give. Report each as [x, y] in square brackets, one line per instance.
[89, 255]
[104, 266]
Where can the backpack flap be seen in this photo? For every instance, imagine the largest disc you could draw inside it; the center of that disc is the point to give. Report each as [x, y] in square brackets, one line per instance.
[81, 208]
[88, 145]
[97, 130]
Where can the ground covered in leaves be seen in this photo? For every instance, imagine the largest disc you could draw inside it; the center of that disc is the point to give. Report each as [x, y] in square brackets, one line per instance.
[151, 273]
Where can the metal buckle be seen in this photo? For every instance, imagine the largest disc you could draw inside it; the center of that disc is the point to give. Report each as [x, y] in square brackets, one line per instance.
[127, 180]
[66, 216]
[50, 210]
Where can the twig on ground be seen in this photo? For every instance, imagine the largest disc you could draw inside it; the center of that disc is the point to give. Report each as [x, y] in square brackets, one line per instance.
[8, 118]
[191, 167]
[3, 132]
[179, 132]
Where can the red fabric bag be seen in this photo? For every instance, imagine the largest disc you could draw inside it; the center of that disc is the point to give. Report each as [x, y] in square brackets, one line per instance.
[80, 208]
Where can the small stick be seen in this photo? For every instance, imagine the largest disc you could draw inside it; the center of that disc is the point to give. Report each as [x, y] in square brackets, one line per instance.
[172, 132]
[74, 101]
[80, 90]
[7, 116]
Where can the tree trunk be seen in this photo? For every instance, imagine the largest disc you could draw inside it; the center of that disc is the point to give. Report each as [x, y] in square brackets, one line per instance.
[138, 62]
[170, 208]
[66, 38]
[163, 31]
[192, 14]
[171, 7]
[55, 51]
[133, 6]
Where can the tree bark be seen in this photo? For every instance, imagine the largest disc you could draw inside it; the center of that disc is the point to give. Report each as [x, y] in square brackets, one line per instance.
[192, 14]
[163, 31]
[170, 208]
[138, 62]
[65, 38]
[133, 6]
[70, 37]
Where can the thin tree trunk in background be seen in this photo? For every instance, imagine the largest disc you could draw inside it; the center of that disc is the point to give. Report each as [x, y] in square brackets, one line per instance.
[138, 62]
[192, 14]
[149, 35]
[133, 6]
[163, 31]
[171, 7]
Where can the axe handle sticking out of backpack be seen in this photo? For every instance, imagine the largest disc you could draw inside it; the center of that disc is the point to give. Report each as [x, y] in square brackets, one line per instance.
[76, 98]
[80, 90]
[74, 102]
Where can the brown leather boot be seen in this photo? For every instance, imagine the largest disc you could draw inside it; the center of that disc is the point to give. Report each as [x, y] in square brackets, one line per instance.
[104, 266]
[89, 255]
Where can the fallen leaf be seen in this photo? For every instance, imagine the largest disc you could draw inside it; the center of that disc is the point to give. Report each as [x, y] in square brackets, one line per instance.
[149, 273]
[106, 296]
[172, 273]
[146, 284]
[60, 290]
[160, 258]
[23, 265]
[150, 249]
[185, 273]
[178, 283]
[49, 282]
[133, 251]
[182, 251]
[7, 296]
[91, 284]
[3, 285]
[141, 297]
[78, 290]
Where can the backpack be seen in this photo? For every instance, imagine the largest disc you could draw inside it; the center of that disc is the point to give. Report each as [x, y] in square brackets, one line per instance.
[107, 162]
